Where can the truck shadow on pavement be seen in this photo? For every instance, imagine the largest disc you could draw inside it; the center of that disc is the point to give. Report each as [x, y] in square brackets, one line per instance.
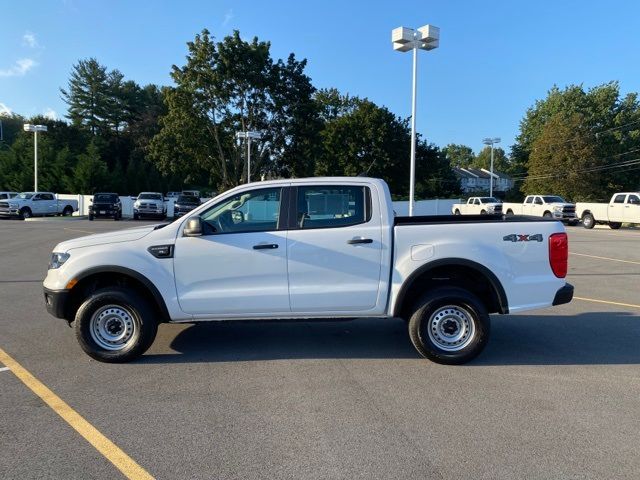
[596, 338]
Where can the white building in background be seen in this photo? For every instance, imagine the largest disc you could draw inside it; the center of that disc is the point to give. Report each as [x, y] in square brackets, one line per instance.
[477, 180]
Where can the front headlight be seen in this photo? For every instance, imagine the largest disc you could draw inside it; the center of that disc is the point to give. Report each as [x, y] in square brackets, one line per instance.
[491, 208]
[557, 209]
[57, 260]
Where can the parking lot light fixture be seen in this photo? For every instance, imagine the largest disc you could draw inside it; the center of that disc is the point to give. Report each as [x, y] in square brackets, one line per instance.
[405, 39]
[35, 129]
[491, 141]
[248, 136]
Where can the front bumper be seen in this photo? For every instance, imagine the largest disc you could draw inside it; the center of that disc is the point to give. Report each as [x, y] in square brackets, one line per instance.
[9, 212]
[564, 295]
[56, 302]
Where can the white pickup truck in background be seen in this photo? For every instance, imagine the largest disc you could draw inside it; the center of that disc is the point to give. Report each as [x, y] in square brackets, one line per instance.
[623, 207]
[478, 206]
[548, 206]
[37, 204]
[305, 249]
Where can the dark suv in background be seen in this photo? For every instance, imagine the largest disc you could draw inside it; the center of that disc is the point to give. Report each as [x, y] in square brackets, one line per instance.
[184, 204]
[105, 205]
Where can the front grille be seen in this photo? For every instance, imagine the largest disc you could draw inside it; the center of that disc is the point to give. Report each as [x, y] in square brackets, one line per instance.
[150, 206]
[569, 209]
[4, 205]
[498, 209]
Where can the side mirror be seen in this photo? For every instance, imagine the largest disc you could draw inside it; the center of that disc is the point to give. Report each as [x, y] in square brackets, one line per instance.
[193, 228]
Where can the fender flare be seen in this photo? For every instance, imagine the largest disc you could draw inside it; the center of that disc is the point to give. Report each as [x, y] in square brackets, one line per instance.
[503, 303]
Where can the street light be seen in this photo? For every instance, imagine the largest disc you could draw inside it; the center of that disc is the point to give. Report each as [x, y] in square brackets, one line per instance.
[491, 141]
[250, 135]
[35, 129]
[405, 39]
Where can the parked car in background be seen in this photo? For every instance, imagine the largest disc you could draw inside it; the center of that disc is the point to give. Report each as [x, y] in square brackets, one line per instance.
[299, 249]
[193, 193]
[7, 195]
[184, 204]
[548, 206]
[106, 205]
[37, 204]
[149, 204]
[624, 207]
[172, 195]
[478, 206]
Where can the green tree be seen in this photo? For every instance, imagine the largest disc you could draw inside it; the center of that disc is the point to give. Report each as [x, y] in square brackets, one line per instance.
[501, 162]
[231, 86]
[459, 155]
[90, 173]
[564, 160]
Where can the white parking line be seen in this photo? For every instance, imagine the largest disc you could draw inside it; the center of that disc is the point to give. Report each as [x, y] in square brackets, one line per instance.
[4, 369]
[604, 258]
[77, 230]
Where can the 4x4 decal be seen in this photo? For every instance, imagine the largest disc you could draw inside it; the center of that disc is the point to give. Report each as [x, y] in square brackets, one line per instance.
[537, 237]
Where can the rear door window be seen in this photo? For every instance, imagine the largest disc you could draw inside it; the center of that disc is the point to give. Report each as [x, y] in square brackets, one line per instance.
[330, 206]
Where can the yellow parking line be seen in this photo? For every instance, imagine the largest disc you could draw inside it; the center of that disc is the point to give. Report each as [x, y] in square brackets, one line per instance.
[106, 447]
[604, 258]
[607, 302]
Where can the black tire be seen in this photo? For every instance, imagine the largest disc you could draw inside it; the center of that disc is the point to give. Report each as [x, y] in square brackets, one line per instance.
[615, 225]
[136, 216]
[91, 218]
[437, 302]
[588, 221]
[25, 213]
[483, 212]
[68, 211]
[547, 215]
[457, 212]
[142, 318]
[510, 212]
[116, 217]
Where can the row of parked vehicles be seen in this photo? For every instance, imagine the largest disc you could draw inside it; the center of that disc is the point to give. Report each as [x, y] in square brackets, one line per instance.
[624, 207]
[102, 205]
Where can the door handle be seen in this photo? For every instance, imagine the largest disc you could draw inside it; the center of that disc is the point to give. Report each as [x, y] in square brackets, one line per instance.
[265, 246]
[356, 241]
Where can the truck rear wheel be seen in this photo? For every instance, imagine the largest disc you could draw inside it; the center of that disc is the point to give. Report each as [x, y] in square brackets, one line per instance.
[457, 212]
[588, 221]
[115, 325]
[68, 211]
[449, 325]
[615, 225]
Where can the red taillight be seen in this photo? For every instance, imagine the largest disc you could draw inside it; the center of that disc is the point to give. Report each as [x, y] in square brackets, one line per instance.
[559, 254]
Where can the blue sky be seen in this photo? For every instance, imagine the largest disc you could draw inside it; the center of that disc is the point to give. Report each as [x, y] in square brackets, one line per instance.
[495, 57]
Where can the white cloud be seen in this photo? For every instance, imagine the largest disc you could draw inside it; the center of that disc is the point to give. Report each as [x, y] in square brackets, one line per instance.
[29, 40]
[227, 17]
[20, 68]
[4, 110]
[50, 113]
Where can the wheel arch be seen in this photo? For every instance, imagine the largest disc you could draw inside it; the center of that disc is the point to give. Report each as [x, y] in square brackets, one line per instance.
[459, 272]
[114, 275]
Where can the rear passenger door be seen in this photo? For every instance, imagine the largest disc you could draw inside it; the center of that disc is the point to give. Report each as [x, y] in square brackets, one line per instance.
[632, 209]
[334, 249]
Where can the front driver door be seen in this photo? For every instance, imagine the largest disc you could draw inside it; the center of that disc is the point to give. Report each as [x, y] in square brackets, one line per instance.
[239, 266]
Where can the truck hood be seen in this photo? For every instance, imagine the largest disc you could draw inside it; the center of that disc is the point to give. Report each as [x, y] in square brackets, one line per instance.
[127, 235]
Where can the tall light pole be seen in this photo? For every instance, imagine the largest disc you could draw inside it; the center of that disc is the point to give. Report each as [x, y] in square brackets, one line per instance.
[491, 141]
[35, 129]
[405, 39]
[249, 135]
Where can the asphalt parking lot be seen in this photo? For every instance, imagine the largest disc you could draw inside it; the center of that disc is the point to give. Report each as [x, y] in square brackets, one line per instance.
[555, 395]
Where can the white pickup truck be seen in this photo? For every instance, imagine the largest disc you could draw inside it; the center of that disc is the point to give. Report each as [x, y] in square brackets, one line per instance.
[33, 204]
[478, 206]
[548, 206]
[623, 207]
[303, 249]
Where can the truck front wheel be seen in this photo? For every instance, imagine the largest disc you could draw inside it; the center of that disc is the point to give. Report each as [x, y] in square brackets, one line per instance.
[449, 325]
[588, 221]
[615, 225]
[25, 213]
[115, 325]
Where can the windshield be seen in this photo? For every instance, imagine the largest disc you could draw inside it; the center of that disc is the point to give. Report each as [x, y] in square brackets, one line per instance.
[150, 196]
[188, 199]
[553, 199]
[489, 200]
[105, 197]
[24, 195]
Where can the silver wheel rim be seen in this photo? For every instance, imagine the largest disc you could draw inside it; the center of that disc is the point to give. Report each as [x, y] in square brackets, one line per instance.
[26, 214]
[112, 327]
[587, 221]
[451, 328]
